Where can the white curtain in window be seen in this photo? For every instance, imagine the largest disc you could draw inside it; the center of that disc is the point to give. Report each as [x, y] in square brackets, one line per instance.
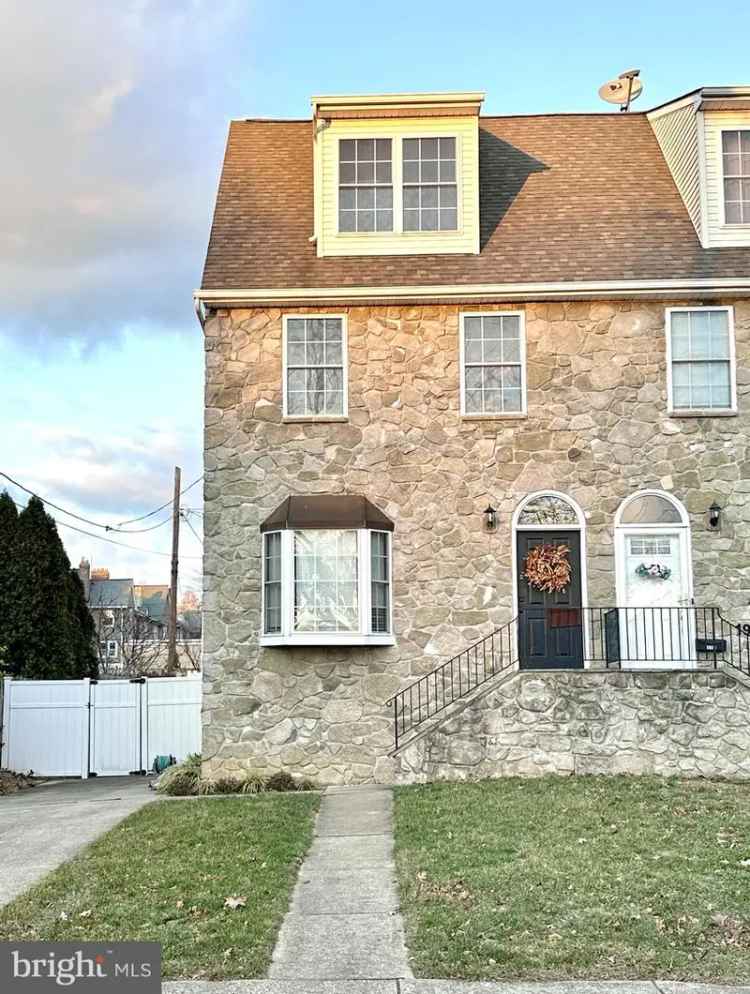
[325, 581]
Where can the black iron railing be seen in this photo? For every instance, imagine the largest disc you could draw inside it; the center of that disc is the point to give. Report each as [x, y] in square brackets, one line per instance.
[672, 637]
[448, 683]
[615, 637]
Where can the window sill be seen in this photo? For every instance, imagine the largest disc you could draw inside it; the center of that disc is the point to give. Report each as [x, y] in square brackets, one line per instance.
[324, 640]
[313, 420]
[704, 413]
[514, 416]
[399, 234]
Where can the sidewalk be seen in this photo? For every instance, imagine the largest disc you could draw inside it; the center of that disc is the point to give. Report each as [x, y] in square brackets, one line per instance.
[343, 923]
[443, 987]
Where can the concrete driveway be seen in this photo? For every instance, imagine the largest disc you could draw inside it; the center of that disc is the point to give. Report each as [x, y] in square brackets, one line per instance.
[44, 826]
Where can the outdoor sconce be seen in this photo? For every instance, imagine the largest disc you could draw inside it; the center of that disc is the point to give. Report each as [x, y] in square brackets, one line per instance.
[714, 515]
[490, 518]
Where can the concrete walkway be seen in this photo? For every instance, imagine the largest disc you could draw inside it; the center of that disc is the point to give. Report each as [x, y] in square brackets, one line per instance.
[42, 827]
[343, 923]
[443, 987]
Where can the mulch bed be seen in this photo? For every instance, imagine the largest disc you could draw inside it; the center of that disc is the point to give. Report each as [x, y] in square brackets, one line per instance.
[11, 782]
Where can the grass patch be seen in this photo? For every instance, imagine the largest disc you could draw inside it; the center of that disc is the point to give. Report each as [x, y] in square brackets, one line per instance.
[585, 877]
[164, 875]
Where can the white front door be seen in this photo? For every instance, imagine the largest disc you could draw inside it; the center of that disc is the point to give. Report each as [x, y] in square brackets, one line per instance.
[656, 630]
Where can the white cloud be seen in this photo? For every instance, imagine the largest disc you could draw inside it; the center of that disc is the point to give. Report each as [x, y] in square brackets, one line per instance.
[114, 120]
[99, 109]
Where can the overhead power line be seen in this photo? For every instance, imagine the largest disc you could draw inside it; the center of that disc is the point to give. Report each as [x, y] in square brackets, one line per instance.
[187, 521]
[99, 524]
[168, 503]
[112, 541]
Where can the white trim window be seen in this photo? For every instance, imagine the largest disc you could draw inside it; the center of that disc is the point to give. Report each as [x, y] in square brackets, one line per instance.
[327, 586]
[430, 189]
[315, 367]
[735, 156]
[111, 649]
[365, 184]
[493, 364]
[701, 373]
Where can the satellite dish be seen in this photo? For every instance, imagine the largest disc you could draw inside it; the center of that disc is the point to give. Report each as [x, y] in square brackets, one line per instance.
[623, 90]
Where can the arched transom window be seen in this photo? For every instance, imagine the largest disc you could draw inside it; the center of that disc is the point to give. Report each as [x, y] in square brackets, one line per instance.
[547, 509]
[651, 508]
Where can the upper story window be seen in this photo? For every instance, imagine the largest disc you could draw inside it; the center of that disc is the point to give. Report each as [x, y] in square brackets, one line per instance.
[700, 360]
[430, 192]
[365, 184]
[315, 381]
[735, 147]
[493, 360]
[327, 573]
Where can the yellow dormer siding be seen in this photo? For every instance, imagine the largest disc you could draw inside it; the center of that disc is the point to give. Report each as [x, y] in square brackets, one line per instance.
[398, 118]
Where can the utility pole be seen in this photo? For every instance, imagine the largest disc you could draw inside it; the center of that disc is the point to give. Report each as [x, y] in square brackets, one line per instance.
[172, 620]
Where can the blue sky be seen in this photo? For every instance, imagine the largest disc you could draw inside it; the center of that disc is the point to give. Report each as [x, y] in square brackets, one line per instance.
[115, 115]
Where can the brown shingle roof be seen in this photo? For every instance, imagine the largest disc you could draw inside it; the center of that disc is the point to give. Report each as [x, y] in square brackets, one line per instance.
[563, 197]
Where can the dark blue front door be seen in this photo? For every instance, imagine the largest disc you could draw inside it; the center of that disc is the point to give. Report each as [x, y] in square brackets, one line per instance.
[550, 633]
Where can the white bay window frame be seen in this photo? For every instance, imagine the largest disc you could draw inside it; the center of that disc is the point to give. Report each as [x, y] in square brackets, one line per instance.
[702, 412]
[364, 634]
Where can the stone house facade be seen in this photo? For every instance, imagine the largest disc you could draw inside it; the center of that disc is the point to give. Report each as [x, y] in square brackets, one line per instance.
[581, 380]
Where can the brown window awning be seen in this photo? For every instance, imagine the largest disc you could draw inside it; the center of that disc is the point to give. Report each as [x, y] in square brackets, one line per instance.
[327, 511]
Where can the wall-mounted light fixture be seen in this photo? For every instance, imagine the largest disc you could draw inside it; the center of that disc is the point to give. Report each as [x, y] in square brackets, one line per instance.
[714, 515]
[490, 518]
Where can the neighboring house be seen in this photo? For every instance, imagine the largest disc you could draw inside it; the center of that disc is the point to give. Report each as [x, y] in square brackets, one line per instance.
[131, 625]
[477, 415]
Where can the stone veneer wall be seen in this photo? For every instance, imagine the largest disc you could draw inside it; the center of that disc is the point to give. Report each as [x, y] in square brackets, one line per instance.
[597, 429]
[688, 724]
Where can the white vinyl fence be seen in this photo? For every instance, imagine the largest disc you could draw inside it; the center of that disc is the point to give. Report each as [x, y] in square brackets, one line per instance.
[77, 728]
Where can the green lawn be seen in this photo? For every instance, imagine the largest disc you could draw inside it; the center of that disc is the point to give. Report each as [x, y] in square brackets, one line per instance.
[164, 874]
[588, 877]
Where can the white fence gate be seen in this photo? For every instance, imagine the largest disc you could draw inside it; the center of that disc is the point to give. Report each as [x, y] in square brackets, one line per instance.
[105, 728]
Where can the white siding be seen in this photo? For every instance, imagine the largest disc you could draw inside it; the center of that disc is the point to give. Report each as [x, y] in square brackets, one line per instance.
[719, 234]
[677, 134]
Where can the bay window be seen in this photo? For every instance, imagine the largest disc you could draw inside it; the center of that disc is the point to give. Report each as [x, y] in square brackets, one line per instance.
[327, 573]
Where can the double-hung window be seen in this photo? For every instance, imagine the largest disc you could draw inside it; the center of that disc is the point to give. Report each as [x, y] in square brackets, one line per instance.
[365, 184]
[735, 148]
[314, 367]
[430, 191]
[700, 360]
[493, 355]
[326, 585]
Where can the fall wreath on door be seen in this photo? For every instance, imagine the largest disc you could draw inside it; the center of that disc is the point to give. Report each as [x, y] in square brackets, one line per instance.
[547, 568]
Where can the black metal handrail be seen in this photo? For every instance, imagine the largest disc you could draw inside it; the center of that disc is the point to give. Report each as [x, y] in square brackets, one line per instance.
[665, 636]
[453, 680]
[617, 637]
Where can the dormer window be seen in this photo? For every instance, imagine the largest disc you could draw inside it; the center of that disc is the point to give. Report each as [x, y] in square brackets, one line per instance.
[430, 190]
[735, 147]
[365, 184]
[396, 174]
